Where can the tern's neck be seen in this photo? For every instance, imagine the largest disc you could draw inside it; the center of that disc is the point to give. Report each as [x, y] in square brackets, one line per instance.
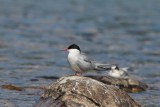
[74, 51]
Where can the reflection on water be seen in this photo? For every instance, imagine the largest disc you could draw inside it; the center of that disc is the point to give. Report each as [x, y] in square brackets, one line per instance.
[33, 32]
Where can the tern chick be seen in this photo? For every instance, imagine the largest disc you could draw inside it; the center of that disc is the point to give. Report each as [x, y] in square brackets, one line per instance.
[118, 72]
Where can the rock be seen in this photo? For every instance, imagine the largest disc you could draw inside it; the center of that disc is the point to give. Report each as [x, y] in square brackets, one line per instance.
[11, 87]
[75, 91]
[128, 84]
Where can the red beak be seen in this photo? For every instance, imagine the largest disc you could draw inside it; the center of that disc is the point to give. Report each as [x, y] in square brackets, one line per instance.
[65, 49]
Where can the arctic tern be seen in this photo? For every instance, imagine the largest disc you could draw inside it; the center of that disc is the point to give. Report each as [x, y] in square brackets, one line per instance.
[80, 63]
[118, 72]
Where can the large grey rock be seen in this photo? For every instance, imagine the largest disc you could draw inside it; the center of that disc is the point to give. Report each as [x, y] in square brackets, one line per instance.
[75, 91]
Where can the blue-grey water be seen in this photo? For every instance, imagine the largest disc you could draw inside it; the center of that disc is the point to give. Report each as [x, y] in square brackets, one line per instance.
[32, 33]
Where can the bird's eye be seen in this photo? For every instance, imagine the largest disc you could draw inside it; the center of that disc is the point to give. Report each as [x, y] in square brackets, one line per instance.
[117, 68]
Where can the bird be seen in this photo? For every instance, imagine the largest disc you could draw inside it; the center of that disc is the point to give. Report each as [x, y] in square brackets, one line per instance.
[117, 72]
[81, 63]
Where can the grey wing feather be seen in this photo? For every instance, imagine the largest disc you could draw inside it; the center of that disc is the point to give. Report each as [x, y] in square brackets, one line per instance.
[85, 63]
[104, 66]
[85, 58]
[96, 66]
[124, 72]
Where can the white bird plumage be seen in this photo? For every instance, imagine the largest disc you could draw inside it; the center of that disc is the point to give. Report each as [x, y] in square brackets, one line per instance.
[80, 63]
[118, 72]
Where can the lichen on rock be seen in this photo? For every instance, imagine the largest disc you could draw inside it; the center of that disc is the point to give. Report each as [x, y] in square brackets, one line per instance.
[75, 91]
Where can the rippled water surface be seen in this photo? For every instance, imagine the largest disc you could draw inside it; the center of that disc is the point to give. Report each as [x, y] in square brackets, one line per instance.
[32, 32]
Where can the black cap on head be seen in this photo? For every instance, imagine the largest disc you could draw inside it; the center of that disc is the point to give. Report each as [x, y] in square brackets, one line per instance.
[74, 46]
[117, 67]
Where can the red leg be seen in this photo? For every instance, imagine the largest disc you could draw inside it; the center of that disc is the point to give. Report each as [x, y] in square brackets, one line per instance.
[77, 74]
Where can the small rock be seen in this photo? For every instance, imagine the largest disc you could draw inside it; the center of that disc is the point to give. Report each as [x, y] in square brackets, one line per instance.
[11, 87]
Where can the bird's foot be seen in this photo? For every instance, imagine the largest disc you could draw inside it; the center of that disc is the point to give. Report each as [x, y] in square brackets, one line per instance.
[77, 74]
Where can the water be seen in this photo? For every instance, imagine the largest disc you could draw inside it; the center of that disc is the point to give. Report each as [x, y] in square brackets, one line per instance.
[33, 31]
